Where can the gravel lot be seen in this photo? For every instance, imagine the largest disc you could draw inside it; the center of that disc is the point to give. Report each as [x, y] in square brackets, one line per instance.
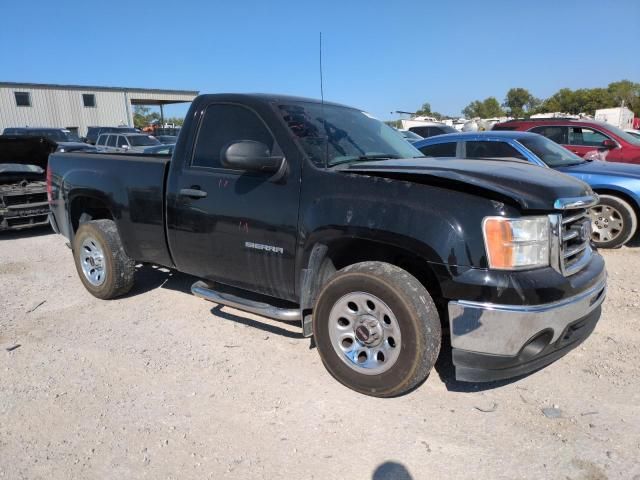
[163, 385]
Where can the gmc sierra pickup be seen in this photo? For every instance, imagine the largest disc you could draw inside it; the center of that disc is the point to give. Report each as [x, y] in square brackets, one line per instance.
[316, 212]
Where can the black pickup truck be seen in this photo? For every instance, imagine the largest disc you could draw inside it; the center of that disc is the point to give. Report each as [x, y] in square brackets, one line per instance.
[315, 212]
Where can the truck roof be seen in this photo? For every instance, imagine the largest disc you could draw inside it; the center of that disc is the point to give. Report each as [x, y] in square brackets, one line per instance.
[264, 97]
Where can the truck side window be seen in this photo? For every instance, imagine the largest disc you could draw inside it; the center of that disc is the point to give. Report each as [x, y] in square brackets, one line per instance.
[447, 149]
[223, 124]
[112, 140]
[491, 150]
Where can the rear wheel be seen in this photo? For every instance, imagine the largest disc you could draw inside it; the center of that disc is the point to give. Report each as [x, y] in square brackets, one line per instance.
[613, 222]
[377, 329]
[102, 264]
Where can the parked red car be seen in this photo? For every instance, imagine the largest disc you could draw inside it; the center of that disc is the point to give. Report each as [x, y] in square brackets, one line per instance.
[587, 138]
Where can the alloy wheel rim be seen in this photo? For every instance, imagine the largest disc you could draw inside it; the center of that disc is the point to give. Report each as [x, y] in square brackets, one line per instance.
[606, 223]
[92, 261]
[365, 333]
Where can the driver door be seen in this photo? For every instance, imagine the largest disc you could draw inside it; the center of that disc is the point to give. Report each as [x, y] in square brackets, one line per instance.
[235, 227]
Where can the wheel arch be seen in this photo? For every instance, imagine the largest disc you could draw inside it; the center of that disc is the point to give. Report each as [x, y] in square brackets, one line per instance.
[86, 206]
[325, 257]
[625, 195]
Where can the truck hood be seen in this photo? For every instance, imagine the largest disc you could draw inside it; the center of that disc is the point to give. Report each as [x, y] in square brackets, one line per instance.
[625, 170]
[528, 186]
[26, 150]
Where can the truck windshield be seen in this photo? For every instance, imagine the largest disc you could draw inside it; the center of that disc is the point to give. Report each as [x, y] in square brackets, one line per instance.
[143, 140]
[332, 134]
[550, 152]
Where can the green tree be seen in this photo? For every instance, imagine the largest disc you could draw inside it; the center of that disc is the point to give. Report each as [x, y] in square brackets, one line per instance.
[520, 102]
[426, 111]
[143, 116]
[626, 91]
[487, 108]
[583, 100]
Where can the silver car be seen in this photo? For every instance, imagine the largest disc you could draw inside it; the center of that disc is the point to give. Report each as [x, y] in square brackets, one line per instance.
[125, 142]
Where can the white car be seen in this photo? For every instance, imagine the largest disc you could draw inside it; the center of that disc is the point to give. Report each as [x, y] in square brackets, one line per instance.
[125, 142]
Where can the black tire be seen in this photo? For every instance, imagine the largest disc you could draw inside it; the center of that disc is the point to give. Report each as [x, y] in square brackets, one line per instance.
[118, 268]
[417, 319]
[612, 209]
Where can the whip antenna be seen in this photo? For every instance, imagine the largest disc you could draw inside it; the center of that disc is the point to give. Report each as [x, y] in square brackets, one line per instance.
[321, 80]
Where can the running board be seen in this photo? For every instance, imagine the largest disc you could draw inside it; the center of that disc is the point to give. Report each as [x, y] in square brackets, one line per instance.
[202, 290]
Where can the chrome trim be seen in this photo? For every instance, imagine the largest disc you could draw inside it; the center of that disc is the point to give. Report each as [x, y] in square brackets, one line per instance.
[202, 290]
[570, 236]
[571, 252]
[504, 329]
[576, 202]
[555, 242]
[573, 218]
[568, 233]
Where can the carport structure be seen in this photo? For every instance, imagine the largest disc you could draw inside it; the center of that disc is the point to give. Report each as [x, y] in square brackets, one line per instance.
[160, 98]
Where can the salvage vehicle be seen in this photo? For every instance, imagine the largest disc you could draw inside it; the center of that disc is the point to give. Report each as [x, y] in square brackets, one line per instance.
[63, 138]
[94, 132]
[587, 138]
[309, 211]
[125, 142]
[614, 220]
[431, 129]
[23, 193]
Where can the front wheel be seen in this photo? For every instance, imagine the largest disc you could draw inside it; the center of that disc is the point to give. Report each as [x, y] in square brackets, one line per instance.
[613, 222]
[377, 329]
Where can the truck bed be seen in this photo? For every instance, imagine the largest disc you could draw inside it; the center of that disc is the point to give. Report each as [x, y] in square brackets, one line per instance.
[136, 197]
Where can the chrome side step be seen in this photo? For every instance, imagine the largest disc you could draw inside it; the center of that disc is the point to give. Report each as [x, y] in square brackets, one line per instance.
[202, 290]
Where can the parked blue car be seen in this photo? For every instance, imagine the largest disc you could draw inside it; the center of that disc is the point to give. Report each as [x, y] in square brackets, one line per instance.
[614, 220]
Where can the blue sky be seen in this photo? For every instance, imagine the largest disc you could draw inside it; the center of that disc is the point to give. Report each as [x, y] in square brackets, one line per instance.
[381, 56]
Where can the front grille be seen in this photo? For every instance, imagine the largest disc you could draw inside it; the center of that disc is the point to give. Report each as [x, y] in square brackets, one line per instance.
[575, 240]
[25, 198]
[14, 222]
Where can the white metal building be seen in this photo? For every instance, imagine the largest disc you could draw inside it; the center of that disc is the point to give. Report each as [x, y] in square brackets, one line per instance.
[77, 107]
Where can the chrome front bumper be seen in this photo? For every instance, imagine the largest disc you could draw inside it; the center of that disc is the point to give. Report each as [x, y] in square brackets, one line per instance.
[506, 329]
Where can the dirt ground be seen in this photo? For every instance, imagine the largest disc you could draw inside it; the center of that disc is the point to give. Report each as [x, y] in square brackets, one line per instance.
[163, 385]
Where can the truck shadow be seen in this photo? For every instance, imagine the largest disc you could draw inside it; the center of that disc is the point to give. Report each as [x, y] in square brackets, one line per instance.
[149, 277]
[26, 233]
[446, 370]
[260, 325]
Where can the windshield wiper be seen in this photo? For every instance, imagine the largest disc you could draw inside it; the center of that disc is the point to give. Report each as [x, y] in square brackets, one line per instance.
[364, 158]
[379, 156]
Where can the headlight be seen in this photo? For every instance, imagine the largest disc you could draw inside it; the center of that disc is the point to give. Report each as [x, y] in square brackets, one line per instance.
[516, 243]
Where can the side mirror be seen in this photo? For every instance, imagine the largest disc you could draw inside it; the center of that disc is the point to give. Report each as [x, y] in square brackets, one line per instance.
[608, 143]
[125, 147]
[250, 156]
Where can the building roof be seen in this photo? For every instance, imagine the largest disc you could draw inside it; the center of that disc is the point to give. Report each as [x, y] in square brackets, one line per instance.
[98, 88]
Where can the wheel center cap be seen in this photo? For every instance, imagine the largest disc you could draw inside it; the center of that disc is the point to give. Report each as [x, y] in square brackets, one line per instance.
[363, 333]
[368, 331]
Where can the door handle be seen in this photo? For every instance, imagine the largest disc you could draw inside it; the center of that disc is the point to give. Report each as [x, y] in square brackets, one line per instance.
[193, 193]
